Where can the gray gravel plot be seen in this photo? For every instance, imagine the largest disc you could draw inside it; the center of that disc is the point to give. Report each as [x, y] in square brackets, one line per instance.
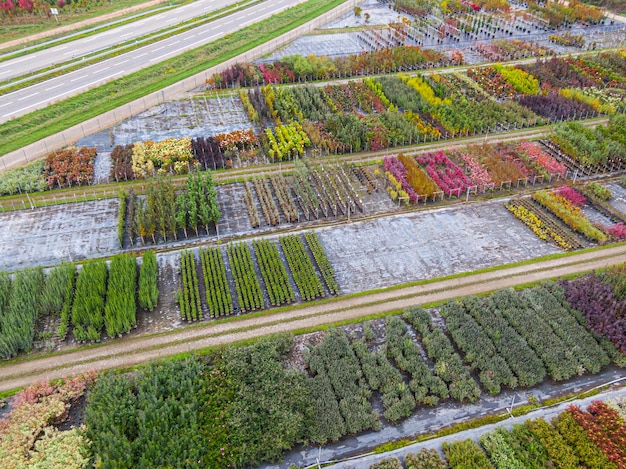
[596, 217]
[409, 247]
[329, 45]
[618, 198]
[102, 167]
[379, 14]
[234, 219]
[185, 118]
[46, 235]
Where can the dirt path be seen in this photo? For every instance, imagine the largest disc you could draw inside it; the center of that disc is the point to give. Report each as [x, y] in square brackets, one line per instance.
[131, 351]
[80, 24]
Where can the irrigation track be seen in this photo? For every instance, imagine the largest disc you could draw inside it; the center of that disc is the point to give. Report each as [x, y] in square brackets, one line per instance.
[132, 351]
[223, 177]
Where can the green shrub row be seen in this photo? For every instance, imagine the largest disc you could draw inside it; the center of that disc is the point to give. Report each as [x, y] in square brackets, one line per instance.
[273, 272]
[249, 294]
[88, 305]
[189, 293]
[302, 269]
[121, 306]
[323, 264]
[218, 295]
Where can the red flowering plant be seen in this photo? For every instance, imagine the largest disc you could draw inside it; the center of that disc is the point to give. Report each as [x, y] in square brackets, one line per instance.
[571, 194]
[446, 174]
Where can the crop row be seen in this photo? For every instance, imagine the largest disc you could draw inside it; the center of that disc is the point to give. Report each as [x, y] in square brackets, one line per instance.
[324, 266]
[273, 272]
[473, 169]
[570, 214]
[297, 68]
[301, 267]
[533, 331]
[121, 304]
[248, 198]
[268, 207]
[86, 303]
[163, 212]
[189, 293]
[240, 270]
[249, 294]
[315, 191]
[218, 296]
[544, 227]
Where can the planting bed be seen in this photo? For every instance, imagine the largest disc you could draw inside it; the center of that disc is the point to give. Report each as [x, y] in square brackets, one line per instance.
[404, 375]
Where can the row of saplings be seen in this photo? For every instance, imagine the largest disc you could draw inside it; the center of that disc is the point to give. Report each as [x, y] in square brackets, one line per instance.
[97, 298]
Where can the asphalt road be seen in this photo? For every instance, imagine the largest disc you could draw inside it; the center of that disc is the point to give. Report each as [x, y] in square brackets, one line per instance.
[42, 94]
[115, 35]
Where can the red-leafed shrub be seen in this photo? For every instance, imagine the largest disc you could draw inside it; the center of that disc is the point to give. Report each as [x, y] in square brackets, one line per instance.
[604, 313]
[572, 195]
[70, 167]
[605, 428]
[618, 231]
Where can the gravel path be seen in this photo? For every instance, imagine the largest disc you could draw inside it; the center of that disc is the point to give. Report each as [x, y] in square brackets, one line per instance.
[131, 351]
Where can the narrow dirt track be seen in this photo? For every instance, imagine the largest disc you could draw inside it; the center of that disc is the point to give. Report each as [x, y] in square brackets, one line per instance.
[136, 350]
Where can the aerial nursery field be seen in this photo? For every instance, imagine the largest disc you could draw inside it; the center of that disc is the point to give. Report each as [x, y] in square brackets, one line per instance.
[272, 123]
[351, 380]
[497, 31]
[587, 437]
[314, 226]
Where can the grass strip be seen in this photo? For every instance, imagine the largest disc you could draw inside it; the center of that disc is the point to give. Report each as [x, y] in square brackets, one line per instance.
[24, 130]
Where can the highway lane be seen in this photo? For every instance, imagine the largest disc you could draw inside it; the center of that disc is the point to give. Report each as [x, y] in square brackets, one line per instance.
[42, 94]
[117, 34]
